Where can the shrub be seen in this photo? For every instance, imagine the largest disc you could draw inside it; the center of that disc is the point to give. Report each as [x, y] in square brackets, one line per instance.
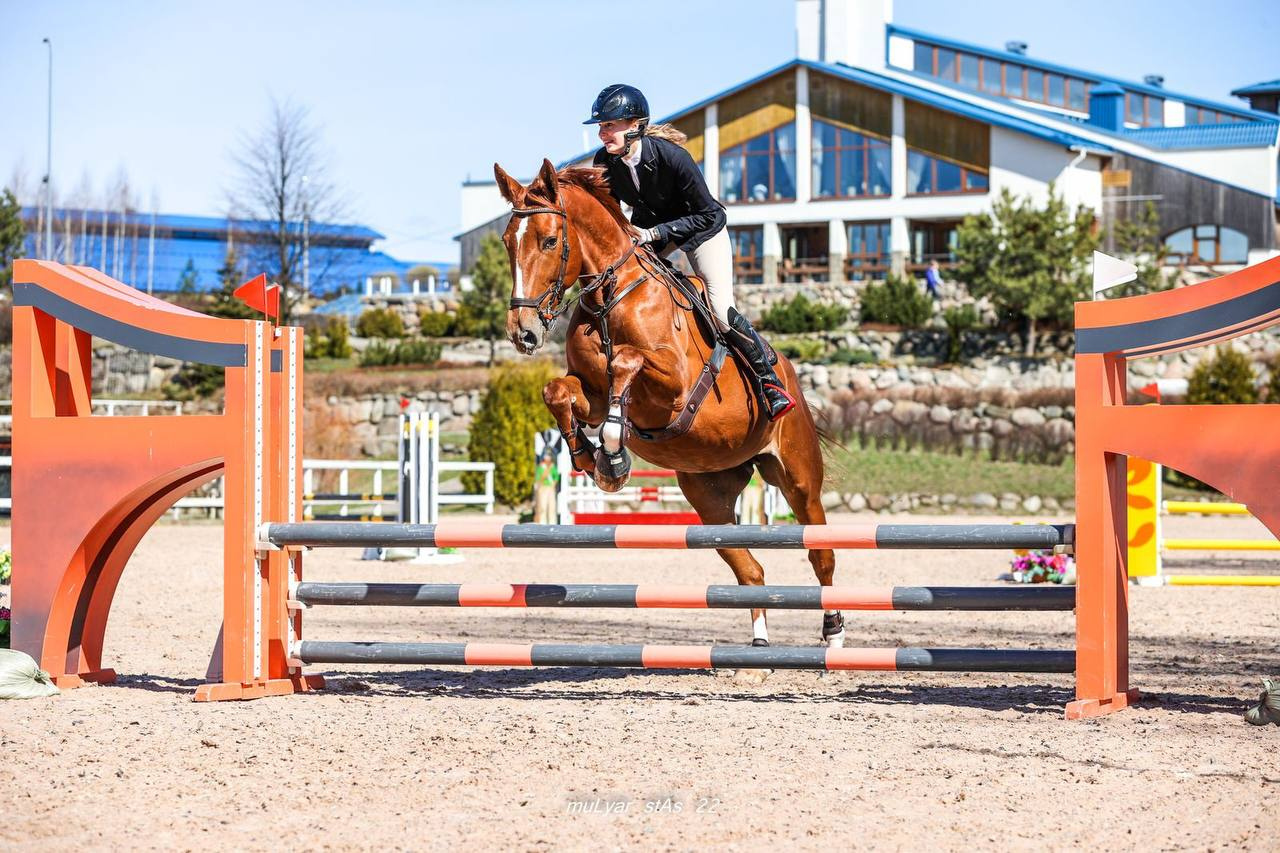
[502, 431]
[435, 324]
[844, 355]
[415, 351]
[1227, 377]
[896, 302]
[801, 349]
[798, 314]
[959, 319]
[333, 340]
[1273, 382]
[195, 381]
[380, 323]
[6, 565]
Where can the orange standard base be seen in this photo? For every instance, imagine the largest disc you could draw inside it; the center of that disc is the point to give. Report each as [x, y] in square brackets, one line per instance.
[1082, 709]
[72, 680]
[225, 691]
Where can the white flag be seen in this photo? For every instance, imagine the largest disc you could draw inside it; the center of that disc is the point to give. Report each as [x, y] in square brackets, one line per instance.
[1109, 272]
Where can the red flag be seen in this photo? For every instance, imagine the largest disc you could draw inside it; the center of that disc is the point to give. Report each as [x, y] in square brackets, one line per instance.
[259, 296]
[1152, 390]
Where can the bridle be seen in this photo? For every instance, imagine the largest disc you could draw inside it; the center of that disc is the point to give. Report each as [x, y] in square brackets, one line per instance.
[549, 304]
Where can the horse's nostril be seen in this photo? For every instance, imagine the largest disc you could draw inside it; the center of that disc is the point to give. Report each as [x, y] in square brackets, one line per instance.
[528, 338]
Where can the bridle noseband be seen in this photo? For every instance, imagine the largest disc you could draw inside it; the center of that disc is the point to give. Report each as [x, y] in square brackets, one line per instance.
[553, 295]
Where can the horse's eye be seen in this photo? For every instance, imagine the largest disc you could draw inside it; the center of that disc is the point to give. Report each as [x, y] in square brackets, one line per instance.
[549, 243]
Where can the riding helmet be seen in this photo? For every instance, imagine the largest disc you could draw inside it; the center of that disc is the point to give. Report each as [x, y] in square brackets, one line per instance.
[618, 101]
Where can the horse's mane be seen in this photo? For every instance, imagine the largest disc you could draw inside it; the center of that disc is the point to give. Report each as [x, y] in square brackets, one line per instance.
[595, 183]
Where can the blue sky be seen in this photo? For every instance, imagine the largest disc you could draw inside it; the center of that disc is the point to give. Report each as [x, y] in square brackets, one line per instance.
[414, 97]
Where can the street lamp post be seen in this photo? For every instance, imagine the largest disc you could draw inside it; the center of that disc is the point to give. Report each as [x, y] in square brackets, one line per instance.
[48, 166]
[306, 240]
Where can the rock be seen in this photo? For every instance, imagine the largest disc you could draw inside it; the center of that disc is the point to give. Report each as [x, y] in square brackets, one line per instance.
[984, 500]
[1000, 428]
[940, 414]
[877, 502]
[881, 406]
[1051, 411]
[821, 376]
[831, 500]
[856, 502]
[1051, 504]
[901, 503]
[1009, 502]
[908, 412]
[947, 499]
[1027, 417]
[461, 405]
[1032, 504]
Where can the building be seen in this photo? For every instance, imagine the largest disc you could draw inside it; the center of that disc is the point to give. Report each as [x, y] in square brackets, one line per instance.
[157, 253]
[865, 152]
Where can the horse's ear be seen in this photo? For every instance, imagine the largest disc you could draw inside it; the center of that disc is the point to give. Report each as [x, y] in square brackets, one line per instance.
[547, 182]
[510, 188]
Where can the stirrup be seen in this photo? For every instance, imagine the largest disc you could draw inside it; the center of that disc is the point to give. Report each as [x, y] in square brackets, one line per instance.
[778, 389]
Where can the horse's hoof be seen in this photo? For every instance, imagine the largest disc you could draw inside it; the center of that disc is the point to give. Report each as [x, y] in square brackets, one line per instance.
[612, 471]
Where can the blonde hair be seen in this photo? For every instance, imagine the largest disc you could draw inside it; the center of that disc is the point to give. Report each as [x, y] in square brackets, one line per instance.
[667, 132]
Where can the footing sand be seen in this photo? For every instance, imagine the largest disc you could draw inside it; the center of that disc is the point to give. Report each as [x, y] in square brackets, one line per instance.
[397, 758]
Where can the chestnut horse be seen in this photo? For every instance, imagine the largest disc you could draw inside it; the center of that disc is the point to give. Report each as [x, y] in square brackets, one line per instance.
[635, 353]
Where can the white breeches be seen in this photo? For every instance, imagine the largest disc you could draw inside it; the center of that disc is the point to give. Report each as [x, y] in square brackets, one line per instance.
[713, 263]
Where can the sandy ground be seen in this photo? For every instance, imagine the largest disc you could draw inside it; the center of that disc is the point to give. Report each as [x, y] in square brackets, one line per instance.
[587, 759]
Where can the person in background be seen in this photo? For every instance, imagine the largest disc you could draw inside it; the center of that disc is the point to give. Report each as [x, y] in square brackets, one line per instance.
[546, 481]
[933, 280]
[753, 501]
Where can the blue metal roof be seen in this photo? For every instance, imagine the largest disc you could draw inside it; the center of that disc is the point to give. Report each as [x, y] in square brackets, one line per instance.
[1233, 135]
[213, 225]
[1243, 112]
[1269, 87]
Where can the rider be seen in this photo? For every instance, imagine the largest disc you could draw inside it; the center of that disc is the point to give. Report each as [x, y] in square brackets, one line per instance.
[673, 208]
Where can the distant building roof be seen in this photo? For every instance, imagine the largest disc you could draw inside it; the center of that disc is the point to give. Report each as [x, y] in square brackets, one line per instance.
[1270, 87]
[1022, 59]
[212, 225]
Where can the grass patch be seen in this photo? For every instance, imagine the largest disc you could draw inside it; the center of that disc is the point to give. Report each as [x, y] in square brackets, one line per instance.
[889, 472]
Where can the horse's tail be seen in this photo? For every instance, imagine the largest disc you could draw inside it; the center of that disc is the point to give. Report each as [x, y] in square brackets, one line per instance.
[826, 439]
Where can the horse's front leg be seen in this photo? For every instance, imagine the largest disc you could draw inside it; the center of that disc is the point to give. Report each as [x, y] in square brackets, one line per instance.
[571, 407]
[613, 463]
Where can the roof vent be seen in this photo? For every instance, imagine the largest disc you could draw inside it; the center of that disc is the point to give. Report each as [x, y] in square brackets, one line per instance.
[1154, 80]
[1018, 47]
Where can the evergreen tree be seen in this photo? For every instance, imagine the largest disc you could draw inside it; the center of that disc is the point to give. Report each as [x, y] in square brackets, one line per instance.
[483, 313]
[1137, 240]
[12, 235]
[225, 303]
[1032, 262]
[189, 281]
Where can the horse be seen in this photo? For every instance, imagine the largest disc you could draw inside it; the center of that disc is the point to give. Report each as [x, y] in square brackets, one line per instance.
[643, 368]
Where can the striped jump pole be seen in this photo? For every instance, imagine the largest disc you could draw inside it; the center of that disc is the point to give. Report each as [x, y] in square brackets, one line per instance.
[689, 657]
[658, 596]
[324, 534]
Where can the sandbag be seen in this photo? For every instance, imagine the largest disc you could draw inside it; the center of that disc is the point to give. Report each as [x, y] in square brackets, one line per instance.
[20, 678]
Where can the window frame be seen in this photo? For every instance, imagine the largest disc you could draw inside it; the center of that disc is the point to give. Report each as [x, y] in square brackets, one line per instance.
[880, 263]
[965, 171]
[772, 153]
[1181, 259]
[865, 148]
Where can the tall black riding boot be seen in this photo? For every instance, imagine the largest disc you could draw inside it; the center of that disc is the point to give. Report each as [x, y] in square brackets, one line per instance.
[768, 387]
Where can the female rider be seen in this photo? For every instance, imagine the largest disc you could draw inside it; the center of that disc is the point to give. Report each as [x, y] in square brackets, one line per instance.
[672, 208]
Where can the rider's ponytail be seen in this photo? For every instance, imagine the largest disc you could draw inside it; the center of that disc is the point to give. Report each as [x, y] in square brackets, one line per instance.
[667, 132]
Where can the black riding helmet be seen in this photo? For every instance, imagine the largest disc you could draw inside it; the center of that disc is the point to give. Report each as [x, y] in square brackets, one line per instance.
[620, 102]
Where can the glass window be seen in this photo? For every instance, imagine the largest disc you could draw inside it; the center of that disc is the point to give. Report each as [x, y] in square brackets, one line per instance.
[927, 174]
[1075, 94]
[868, 255]
[946, 64]
[1057, 90]
[848, 164]
[1035, 85]
[1013, 80]
[1155, 111]
[924, 58]
[991, 76]
[1133, 108]
[1207, 244]
[761, 169]
[968, 71]
[747, 243]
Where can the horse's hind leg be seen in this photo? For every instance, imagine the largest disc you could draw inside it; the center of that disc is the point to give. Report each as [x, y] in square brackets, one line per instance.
[797, 470]
[713, 496]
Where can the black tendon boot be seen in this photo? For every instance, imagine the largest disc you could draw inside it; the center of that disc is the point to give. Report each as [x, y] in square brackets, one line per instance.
[768, 387]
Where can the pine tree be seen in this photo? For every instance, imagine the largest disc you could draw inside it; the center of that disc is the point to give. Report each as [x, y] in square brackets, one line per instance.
[189, 281]
[12, 235]
[483, 313]
[1031, 262]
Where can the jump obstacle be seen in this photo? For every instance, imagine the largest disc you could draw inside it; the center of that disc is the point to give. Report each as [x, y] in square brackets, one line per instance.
[1147, 542]
[125, 474]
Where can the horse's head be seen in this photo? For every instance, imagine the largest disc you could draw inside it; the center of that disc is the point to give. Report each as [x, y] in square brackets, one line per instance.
[537, 241]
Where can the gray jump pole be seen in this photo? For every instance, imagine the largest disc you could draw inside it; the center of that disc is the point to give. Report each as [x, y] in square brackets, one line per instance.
[325, 534]
[1030, 597]
[689, 657]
